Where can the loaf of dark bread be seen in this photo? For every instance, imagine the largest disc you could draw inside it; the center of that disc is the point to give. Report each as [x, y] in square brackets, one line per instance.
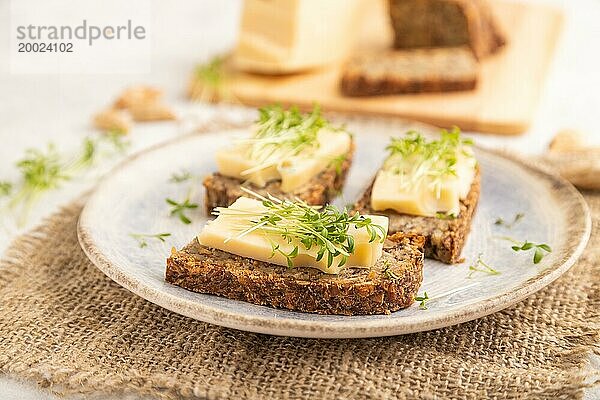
[410, 71]
[391, 284]
[444, 238]
[222, 191]
[445, 23]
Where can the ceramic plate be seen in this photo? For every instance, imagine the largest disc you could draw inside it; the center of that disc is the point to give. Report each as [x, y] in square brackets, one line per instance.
[132, 200]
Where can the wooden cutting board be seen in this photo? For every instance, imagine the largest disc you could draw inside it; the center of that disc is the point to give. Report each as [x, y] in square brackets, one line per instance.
[504, 101]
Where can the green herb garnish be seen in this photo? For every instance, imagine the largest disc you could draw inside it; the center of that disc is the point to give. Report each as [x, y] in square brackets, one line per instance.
[181, 177]
[5, 188]
[274, 119]
[178, 209]
[423, 301]
[141, 238]
[87, 155]
[445, 216]
[388, 272]
[45, 170]
[210, 81]
[117, 139]
[518, 217]
[539, 250]
[40, 171]
[211, 73]
[282, 134]
[275, 248]
[337, 163]
[431, 161]
[481, 266]
[324, 228]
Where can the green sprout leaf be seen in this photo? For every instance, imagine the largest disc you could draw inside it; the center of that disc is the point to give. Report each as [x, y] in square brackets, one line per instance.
[537, 256]
[142, 237]
[517, 218]
[445, 216]
[88, 154]
[481, 266]
[540, 250]
[423, 301]
[545, 247]
[211, 82]
[117, 139]
[211, 73]
[179, 209]
[183, 176]
[387, 271]
[5, 188]
[338, 163]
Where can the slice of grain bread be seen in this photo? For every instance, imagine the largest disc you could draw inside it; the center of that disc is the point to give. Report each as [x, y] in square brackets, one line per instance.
[410, 71]
[445, 23]
[445, 238]
[390, 285]
[222, 191]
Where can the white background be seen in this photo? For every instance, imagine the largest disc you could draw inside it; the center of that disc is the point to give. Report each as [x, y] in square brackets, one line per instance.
[36, 109]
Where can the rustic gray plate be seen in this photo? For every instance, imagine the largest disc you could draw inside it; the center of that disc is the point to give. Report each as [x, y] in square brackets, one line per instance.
[132, 200]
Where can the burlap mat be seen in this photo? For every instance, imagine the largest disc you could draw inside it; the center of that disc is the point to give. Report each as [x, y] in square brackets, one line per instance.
[70, 328]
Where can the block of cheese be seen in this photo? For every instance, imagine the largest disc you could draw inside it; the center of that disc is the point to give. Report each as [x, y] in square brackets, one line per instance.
[426, 195]
[223, 233]
[284, 36]
[294, 171]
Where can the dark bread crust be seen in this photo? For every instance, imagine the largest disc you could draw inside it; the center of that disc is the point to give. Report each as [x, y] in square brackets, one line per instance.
[354, 291]
[445, 238]
[446, 23]
[222, 191]
[410, 71]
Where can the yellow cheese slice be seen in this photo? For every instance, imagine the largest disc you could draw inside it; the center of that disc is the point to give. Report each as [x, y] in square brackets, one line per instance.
[392, 192]
[282, 36]
[294, 171]
[222, 233]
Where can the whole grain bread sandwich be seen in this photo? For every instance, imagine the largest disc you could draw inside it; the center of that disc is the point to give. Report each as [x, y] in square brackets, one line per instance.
[288, 154]
[288, 254]
[430, 188]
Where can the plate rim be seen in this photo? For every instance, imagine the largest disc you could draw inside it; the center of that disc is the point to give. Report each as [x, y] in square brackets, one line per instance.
[335, 329]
